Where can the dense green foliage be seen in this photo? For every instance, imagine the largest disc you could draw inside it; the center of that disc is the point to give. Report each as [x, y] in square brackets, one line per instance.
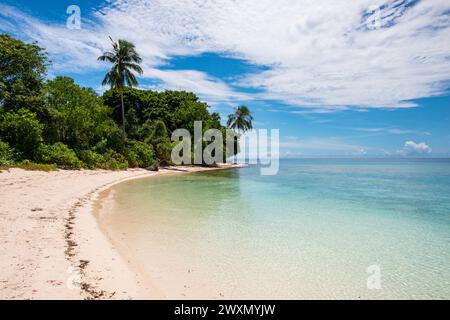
[58, 122]
[140, 154]
[58, 154]
[22, 70]
[124, 60]
[77, 117]
[6, 154]
[176, 109]
[22, 131]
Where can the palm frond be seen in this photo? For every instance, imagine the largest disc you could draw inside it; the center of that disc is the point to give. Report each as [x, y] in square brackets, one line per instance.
[125, 60]
[241, 119]
[107, 56]
[135, 67]
[129, 78]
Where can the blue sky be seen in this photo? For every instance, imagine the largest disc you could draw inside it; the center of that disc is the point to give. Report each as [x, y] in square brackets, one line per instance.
[338, 78]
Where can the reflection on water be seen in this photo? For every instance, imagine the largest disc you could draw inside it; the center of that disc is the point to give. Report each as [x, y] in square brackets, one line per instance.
[310, 232]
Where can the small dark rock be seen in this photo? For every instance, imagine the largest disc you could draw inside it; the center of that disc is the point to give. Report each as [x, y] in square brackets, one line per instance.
[214, 165]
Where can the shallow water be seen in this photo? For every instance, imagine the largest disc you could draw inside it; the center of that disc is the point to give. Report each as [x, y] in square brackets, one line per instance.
[311, 231]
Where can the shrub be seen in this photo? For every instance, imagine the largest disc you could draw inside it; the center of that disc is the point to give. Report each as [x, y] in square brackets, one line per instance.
[160, 142]
[110, 136]
[112, 160]
[140, 154]
[6, 154]
[164, 152]
[58, 154]
[91, 159]
[22, 131]
[132, 159]
[159, 135]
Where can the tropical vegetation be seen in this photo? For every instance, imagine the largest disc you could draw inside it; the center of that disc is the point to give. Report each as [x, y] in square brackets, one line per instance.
[241, 121]
[125, 60]
[46, 123]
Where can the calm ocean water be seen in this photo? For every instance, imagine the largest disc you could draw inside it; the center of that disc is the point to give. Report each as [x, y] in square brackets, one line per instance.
[312, 231]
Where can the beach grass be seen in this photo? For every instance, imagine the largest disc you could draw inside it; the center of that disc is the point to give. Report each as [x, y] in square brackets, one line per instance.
[31, 166]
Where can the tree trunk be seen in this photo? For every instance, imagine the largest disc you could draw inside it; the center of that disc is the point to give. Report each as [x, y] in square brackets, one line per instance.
[123, 113]
[236, 148]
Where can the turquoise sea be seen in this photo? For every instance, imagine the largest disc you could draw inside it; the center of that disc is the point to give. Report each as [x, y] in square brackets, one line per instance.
[312, 231]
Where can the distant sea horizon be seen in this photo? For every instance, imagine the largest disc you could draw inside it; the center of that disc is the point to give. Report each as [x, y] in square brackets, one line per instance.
[360, 157]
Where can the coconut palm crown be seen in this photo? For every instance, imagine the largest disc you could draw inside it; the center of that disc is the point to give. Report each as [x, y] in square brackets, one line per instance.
[124, 59]
[241, 120]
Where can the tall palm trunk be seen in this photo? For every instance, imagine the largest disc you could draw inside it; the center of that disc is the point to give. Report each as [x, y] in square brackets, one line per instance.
[123, 112]
[125, 59]
[236, 148]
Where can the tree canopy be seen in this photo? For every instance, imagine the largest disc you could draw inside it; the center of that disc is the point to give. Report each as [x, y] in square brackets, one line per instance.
[241, 119]
[124, 59]
[59, 122]
[22, 71]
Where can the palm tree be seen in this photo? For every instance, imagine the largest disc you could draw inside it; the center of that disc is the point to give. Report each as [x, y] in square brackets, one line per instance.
[241, 120]
[125, 59]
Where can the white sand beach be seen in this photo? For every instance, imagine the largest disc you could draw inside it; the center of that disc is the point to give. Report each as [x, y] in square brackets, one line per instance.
[51, 246]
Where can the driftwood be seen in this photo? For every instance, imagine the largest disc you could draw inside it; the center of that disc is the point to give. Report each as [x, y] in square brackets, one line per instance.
[154, 167]
[175, 169]
[214, 165]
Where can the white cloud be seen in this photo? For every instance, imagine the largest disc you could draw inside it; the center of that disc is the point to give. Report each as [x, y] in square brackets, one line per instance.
[321, 146]
[321, 56]
[77, 51]
[392, 131]
[210, 88]
[413, 148]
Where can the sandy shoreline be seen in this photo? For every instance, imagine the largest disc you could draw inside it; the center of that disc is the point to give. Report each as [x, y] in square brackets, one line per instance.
[51, 245]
